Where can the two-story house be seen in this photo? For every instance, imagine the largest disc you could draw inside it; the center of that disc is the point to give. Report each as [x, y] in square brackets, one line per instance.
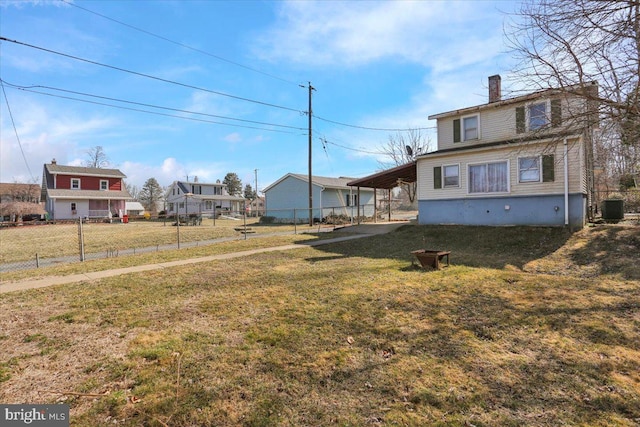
[526, 160]
[186, 197]
[71, 192]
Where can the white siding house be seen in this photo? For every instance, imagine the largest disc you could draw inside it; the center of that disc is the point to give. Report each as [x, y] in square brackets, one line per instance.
[288, 198]
[520, 161]
[199, 198]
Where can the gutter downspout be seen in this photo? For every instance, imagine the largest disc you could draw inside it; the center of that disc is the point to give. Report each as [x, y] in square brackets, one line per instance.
[566, 183]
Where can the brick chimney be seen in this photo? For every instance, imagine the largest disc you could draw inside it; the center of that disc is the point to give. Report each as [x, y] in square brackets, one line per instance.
[495, 88]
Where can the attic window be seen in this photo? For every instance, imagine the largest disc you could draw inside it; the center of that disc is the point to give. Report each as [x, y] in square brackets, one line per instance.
[466, 128]
[470, 127]
[537, 115]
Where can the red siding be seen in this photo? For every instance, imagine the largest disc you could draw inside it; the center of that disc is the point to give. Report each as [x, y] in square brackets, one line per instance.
[63, 182]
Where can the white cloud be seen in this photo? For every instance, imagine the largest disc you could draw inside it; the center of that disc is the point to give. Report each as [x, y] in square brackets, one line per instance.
[171, 170]
[358, 33]
[233, 137]
[44, 134]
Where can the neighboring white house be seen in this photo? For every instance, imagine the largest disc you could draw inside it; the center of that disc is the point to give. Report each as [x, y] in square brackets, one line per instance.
[185, 197]
[288, 197]
[518, 161]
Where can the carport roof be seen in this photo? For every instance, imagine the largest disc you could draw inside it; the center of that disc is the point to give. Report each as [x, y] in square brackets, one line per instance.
[389, 178]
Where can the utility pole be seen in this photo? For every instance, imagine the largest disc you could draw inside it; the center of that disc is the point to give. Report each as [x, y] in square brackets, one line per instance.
[311, 89]
[256, 201]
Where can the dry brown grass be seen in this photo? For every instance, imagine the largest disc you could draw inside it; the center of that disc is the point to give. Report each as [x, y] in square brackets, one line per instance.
[530, 327]
[57, 240]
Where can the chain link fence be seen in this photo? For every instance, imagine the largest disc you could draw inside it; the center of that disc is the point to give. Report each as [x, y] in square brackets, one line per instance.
[34, 244]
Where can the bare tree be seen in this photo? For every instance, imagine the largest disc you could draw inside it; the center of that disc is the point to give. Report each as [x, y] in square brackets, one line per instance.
[132, 189]
[569, 44]
[97, 158]
[401, 148]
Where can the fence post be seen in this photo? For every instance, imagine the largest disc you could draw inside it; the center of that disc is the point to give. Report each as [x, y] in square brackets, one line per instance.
[295, 222]
[178, 228]
[37, 261]
[81, 239]
[244, 219]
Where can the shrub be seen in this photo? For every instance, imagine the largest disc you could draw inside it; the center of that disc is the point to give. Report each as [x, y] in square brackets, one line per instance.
[267, 219]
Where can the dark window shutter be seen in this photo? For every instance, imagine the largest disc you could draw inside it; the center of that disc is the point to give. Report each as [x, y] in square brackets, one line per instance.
[556, 113]
[437, 177]
[456, 130]
[520, 120]
[548, 168]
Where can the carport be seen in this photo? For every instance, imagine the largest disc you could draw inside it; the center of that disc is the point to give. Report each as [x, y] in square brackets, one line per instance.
[386, 180]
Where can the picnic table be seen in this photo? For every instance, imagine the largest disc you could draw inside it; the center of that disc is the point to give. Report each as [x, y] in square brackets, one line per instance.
[431, 258]
[244, 230]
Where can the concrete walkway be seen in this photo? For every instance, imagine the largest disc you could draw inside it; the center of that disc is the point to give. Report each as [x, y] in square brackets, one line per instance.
[359, 231]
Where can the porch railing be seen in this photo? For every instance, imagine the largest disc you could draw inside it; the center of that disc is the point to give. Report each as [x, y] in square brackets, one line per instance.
[98, 213]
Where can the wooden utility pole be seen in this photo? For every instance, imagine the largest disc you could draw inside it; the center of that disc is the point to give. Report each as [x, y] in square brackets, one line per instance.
[311, 89]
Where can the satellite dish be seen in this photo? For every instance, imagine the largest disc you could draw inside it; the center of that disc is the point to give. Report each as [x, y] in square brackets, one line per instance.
[409, 151]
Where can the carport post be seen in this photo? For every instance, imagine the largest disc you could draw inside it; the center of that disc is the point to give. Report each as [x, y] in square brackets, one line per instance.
[358, 205]
[389, 190]
[375, 205]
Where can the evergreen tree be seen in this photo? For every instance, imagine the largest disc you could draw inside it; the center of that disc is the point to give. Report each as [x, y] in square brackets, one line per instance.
[233, 183]
[249, 193]
[150, 194]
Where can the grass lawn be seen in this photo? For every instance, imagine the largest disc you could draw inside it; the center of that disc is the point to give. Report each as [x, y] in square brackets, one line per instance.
[528, 327]
[56, 240]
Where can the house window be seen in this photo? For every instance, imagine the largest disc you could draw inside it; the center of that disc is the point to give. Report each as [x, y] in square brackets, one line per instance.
[217, 191]
[538, 117]
[181, 205]
[451, 175]
[208, 205]
[75, 183]
[470, 128]
[173, 191]
[529, 169]
[104, 184]
[466, 128]
[73, 208]
[489, 178]
[196, 189]
[170, 207]
[352, 199]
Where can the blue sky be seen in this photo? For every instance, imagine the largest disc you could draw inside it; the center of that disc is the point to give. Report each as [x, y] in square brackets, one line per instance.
[240, 64]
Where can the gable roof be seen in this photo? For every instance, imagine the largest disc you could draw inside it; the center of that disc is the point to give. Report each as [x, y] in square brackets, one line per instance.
[515, 100]
[54, 169]
[321, 181]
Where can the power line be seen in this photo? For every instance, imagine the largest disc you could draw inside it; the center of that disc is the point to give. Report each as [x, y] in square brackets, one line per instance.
[153, 112]
[372, 128]
[147, 105]
[13, 123]
[150, 76]
[179, 44]
[353, 149]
